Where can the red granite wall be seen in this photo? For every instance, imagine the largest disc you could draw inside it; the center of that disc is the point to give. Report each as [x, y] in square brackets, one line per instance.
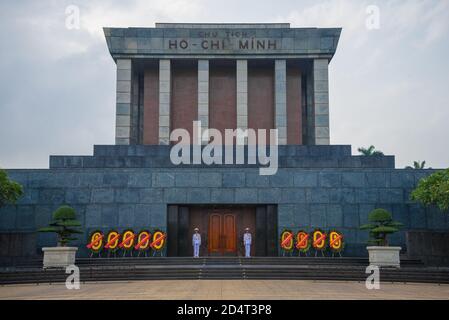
[294, 114]
[222, 95]
[261, 95]
[184, 97]
[151, 105]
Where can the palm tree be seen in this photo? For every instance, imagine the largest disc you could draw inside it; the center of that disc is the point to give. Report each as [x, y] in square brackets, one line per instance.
[370, 151]
[417, 165]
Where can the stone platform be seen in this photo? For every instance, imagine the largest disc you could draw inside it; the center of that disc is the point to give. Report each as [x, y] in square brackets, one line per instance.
[226, 268]
[121, 187]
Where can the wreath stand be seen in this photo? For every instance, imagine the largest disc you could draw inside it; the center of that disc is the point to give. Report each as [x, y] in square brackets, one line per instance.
[92, 253]
[113, 252]
[305, 253]
[334, 254]
[145, 252]
[125, 251]
[316, 253]
[157, 252]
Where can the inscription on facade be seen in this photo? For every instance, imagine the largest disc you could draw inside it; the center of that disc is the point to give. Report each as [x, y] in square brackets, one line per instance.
[226, 40]
[221, 44]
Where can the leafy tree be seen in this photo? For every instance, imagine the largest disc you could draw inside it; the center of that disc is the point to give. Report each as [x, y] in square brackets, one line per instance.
[370, 151]
[417, 165]
[10, 191]
[380, 225]
[433, 190]
[64, 224]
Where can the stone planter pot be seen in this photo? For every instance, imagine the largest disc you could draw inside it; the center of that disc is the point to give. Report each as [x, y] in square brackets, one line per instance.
[384, 256]
[59, 257]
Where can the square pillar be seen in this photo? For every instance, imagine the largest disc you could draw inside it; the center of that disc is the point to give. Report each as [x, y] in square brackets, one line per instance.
[280, 99]
[321, 101]
[203, 93]
[164, 101]
[242, 94]
[123, 102]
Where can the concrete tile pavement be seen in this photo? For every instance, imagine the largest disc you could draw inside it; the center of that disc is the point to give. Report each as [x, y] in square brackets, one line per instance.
[226, 290]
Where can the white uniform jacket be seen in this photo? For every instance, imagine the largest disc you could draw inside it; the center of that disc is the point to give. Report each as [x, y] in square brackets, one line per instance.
[196, 239]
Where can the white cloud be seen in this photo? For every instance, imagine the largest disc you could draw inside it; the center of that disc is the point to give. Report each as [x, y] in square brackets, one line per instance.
[98, 14]
[388, 86]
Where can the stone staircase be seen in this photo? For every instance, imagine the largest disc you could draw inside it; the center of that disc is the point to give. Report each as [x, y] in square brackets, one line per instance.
[285, 268]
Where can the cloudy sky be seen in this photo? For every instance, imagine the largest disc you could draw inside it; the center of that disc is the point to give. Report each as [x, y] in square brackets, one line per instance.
[388, 87]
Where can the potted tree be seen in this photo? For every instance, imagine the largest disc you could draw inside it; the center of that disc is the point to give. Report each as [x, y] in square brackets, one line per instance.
[381, 225]
[65, 225]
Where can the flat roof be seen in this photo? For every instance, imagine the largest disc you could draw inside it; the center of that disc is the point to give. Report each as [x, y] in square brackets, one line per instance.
[222, 25]
[222, 40]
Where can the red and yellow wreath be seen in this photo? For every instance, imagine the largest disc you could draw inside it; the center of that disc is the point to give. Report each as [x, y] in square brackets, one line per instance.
[95, 241]
[319, 239]
[112, 241]
[303, 241]
[336, 243]
[143, 240]
[128, 240]
[286, 240]
[158, 240]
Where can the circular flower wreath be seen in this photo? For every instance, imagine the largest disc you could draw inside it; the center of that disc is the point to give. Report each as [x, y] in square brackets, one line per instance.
[112, 241]
[336, 241]
[319, 239]
[286, 240]
[143, 240]
[128, 239]
[158, 245]
[303, 241]
[95, 241]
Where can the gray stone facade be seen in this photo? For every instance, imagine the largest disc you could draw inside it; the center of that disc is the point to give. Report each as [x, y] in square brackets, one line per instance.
[241, 42]
[131, 186]
[203, 94]
[280, 100]
[164, 100]
[123, 102]
[242, 94]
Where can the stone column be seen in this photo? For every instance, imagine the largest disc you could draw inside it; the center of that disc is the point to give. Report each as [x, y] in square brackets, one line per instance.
[203, 93]
[164, 101]
[280, 98]
[242, 94]
[321, 100]
[123, 102]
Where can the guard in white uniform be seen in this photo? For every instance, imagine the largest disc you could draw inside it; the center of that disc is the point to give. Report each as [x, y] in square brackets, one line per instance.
[247, 243]
[196, 242]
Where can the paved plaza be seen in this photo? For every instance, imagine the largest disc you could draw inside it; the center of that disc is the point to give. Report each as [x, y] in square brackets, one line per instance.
[226, 290]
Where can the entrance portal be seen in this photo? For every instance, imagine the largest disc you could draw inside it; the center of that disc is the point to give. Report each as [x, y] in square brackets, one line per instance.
[222, 228]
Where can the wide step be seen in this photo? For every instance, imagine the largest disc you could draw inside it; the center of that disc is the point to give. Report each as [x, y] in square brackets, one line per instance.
[286, 268]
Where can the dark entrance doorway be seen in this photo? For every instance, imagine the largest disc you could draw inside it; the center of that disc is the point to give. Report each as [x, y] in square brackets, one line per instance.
[221, 228]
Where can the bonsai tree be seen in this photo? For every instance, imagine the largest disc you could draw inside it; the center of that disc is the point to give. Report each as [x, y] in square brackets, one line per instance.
[64, 224]
[380, 225]
[433, 190]
[417, 165]
[370, 151]
[10, 191]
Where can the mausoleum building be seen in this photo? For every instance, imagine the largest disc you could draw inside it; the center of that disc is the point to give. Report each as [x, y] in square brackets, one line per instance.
[228, 76]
